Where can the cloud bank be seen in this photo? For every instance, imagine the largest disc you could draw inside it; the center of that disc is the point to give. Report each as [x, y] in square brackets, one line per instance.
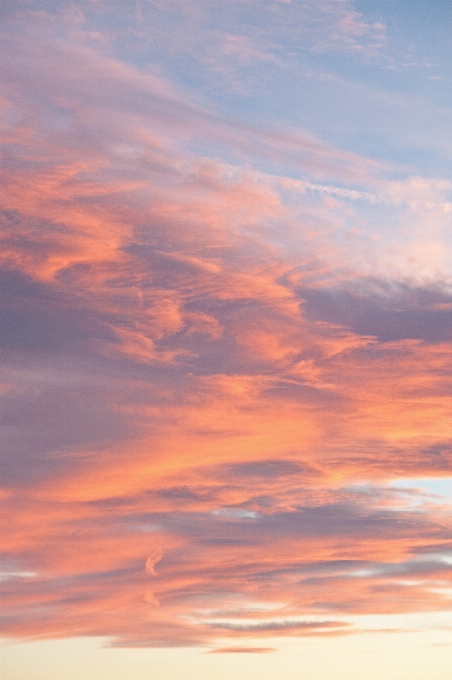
[220, 345]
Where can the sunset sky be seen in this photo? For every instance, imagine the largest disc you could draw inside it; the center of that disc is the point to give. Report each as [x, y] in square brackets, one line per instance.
[226, 275]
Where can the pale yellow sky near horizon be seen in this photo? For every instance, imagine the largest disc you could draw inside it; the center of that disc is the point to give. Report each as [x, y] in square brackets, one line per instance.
[381, 656]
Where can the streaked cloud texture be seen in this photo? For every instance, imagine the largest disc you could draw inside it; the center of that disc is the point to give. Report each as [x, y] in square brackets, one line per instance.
[227, 322]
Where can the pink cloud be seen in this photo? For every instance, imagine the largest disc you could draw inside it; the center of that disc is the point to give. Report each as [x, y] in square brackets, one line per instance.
[196, 376]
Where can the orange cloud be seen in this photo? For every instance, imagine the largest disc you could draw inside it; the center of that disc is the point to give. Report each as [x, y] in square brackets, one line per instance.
[203, 399]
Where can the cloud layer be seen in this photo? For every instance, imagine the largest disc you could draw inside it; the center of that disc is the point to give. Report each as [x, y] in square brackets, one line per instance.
[217, 356]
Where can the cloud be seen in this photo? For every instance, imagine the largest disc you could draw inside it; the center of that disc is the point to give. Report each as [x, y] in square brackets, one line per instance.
[201, 358]
[242, 650]
[273, 572]
[278, 626]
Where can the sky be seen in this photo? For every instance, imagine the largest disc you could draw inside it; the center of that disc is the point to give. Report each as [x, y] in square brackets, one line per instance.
[226, 281]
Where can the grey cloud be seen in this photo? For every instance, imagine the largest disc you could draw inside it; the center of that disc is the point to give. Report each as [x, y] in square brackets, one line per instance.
[353, 521]
[276, 626]
[396, 313]
[267, 468]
